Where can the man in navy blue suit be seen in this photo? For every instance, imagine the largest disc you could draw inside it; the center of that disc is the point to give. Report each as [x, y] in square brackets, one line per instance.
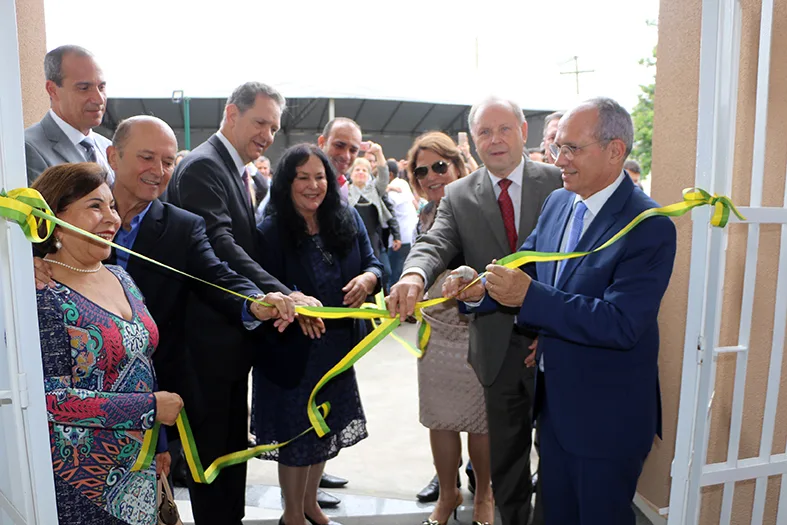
[597, 399]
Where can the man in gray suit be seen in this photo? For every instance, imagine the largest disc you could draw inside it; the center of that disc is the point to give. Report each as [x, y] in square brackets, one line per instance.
[75, 85]
[486, 216]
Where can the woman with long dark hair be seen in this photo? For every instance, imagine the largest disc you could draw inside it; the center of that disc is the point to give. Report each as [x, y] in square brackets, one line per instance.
[311, 242]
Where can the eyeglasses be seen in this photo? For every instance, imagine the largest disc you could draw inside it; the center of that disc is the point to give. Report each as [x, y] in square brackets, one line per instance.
[440, 167]
[569, 151]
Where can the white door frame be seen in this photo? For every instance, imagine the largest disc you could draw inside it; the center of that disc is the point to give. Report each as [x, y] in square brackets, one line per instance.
[718, 91]
[27, 492]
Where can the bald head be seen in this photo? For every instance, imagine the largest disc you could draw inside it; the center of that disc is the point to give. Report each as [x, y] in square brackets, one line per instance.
[143, 157]
[140, 123]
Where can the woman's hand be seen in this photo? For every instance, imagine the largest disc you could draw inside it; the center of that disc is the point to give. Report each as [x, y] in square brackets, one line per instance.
[168, 406]
[43, 273]
[163, 464]
[395, 245]
[457, 281]
[358, 289]
[312, 327]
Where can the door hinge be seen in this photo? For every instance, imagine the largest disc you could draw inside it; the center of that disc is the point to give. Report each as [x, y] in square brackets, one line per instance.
[24, 398]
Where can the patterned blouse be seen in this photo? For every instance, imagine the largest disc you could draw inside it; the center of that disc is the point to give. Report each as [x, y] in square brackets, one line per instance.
[99, 380]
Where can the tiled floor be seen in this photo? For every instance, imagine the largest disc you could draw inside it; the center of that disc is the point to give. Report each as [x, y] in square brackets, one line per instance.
[385, 470]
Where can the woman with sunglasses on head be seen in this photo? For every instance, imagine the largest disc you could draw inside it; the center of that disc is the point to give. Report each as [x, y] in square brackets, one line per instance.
[451, 397]
[312, 242]
[97, 339]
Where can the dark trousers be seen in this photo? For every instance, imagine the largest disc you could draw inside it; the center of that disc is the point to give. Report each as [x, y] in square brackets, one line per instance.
[220, 428]
[508, 409]
[397, 261]
[584, 491]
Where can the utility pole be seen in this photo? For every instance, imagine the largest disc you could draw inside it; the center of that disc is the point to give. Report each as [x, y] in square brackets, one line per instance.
[577, 71]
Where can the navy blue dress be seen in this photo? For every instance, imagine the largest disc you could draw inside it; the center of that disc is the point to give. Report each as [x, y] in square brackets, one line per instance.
[291, 364]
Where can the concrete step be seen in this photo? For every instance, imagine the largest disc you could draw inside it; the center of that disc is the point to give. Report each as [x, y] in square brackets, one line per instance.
[263, 507]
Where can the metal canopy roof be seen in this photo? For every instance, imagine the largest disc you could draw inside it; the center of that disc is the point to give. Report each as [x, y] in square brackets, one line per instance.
[394, 124]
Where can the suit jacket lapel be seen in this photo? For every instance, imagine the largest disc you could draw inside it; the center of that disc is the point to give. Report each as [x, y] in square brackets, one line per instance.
[555, 234]
[606, 219]
[150, 231]
[60, 142]
[242, 192]
[487, 203]
[528, 200]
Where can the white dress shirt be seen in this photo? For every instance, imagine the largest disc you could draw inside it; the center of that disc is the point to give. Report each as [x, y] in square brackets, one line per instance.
[514, 190]
[240, 166]
[76, 137]
[594, 204]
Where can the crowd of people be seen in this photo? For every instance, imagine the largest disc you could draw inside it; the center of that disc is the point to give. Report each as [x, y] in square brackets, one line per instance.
[125, 344]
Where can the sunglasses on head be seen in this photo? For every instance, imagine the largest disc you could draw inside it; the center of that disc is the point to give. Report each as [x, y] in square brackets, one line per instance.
[440, 167]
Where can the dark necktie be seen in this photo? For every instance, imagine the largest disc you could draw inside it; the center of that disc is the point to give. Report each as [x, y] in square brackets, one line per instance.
[577, 223]
[90, 149]
[507, 211]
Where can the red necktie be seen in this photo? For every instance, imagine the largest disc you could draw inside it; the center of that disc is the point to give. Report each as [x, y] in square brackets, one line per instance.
[246, 179]
[507, 211]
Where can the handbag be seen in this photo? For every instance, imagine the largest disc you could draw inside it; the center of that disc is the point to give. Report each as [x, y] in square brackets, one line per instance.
[167, 509]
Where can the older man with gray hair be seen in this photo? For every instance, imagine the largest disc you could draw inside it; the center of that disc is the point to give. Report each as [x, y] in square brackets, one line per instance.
[486, 216]
[598, 403]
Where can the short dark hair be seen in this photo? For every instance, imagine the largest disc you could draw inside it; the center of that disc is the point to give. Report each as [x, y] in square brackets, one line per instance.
[326, 131]
[632, 165]
[393, 167]
[557, 115]
[64, 184]
[53, 61]
[245, 95]
[337, 224]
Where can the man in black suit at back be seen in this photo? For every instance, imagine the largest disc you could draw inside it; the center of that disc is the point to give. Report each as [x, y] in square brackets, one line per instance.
[212, 182]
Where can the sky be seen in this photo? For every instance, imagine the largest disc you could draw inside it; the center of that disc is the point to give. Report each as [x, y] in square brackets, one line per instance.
[453, 52]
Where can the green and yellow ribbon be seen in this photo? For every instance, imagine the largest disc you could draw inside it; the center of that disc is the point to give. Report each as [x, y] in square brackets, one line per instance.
[30, 211]
[198, 473]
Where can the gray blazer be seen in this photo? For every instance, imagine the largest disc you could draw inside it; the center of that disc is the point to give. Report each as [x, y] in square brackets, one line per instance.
[469, 222]
[46, 145]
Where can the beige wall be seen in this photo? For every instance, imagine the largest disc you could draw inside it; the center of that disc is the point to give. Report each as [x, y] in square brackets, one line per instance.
[32, 48]
[674, 142]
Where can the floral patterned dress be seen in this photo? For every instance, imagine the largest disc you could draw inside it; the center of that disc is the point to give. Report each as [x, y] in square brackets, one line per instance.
[99, 381]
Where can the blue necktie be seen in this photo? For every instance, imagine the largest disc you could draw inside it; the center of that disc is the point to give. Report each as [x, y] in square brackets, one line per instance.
[90, 149]
[577, 222]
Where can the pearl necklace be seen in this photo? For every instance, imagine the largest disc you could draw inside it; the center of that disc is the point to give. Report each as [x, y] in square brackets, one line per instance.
[80, 270]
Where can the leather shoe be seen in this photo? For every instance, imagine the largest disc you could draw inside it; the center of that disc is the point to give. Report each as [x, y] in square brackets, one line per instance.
[330, 521]
[332, 482]
[327, 501]
[430, 492]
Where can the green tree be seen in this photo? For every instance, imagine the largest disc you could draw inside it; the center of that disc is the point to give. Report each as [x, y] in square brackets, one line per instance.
[643, 121]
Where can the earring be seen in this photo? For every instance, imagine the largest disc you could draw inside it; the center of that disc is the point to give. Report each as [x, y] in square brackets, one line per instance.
[58, 244]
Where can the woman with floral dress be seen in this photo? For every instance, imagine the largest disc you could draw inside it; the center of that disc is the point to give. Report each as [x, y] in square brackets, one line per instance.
[97, 339]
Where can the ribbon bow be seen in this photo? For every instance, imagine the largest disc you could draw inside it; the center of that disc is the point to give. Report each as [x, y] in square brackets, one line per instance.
[27, 208]
[721, 205]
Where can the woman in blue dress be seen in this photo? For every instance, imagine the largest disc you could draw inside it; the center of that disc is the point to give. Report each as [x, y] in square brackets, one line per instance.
[314, 243]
